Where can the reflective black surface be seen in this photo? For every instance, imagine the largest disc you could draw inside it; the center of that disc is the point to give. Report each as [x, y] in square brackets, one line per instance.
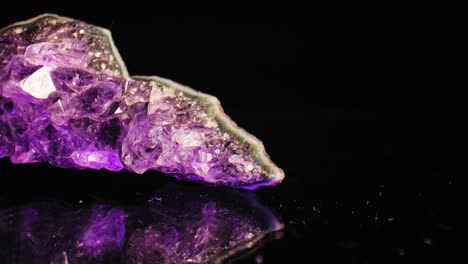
[174, 223]
[350, 102]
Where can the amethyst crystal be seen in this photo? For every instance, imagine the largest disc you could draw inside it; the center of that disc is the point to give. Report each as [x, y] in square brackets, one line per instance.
[66, 98]
[176, 224]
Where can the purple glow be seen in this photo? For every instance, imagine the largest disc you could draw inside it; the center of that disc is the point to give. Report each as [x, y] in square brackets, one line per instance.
[177, 224]
[66, 99]
[105, 232]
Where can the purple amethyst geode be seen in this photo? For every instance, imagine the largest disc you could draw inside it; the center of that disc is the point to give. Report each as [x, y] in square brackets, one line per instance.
[66, 98]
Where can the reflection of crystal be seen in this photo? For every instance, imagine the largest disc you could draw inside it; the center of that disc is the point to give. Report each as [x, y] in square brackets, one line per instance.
[105, 231]
[67, 99]
[177, 224]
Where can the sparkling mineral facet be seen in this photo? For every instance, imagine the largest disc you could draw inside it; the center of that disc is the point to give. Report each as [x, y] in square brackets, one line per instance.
[66, 98]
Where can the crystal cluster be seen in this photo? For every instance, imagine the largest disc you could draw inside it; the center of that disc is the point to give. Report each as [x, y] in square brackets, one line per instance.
[66, 99]
[176, 224]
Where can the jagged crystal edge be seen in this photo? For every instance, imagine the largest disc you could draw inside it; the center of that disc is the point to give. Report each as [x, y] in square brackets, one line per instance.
[275, 174]
[258, 151]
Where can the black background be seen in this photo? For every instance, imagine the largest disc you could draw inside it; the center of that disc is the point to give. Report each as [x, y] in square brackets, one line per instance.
[351, 102]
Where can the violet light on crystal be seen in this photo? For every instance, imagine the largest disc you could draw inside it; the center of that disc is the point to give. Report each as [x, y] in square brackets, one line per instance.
[66, 98]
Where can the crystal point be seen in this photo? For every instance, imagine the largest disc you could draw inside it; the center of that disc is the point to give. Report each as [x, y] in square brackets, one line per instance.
[67, 98]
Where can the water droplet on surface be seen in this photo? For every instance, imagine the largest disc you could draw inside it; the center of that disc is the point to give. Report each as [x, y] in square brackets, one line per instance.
[428, 241]
[315, 209]
[259, 259]
[401, 252]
